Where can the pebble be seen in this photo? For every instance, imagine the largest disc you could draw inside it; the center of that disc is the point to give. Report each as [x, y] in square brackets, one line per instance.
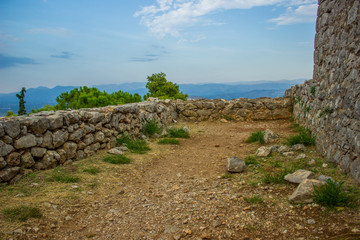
[324, 165]
[311, 221]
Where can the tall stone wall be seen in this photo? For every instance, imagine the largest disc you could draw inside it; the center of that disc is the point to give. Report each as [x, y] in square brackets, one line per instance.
[329, 104]
[45, 140]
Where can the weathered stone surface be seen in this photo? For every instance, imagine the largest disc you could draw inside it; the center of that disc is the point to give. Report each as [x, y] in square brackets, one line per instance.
[70, 149]
[282, 149]
[60, 137]
[50, 160]
[115, 151]
[27, 160]
[8, 173]
[2, 131]
[12, 128]
[270, 136]
[89, 139]
[99, 137]
[3, 163]
[63, 155]
[13, 159]
[304, 192]
[56, 121]
[47, 140]
[38, 152]
[288, 154]
[263, 151]
[299, 176]
[7, 140]
[300, 156]
[25, 142]
[235, 165]
[5, 149]
[299, 147]
[38, 125]
[77, 135]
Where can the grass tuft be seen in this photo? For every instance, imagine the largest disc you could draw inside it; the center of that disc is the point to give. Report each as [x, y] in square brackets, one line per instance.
[92, 170]
[59, 174]
[169, 141]
[304, 137]
[276, 178]
[135, 146]
[21, 213]
[251, 160]
[117, 159]
[178, 133]
[254, 199]
[151, 128]
[257, 136]
[226, 176]
[332, 195]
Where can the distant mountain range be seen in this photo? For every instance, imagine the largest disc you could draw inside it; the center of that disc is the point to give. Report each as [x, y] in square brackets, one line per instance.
[40, 96]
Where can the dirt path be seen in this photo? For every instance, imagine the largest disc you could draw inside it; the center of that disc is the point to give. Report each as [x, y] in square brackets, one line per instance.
[175, 192]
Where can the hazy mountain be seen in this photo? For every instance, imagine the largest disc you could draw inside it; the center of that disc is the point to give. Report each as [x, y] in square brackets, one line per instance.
[40, 96]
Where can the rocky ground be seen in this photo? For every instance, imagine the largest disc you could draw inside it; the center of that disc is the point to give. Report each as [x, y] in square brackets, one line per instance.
[180, 192]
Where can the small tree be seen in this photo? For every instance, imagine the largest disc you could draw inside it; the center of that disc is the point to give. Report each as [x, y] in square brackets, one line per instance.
[159, 87]
[21, 96]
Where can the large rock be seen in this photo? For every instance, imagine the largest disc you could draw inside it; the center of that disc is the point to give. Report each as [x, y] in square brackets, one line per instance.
[56, 121]
[38, 152]
[27, 160]
[299, 176]
[270, 136]
[77, 135]
[5, 149]
[2, 131]
[99, 137]
[263, 151]
[89, 139]
[115, 151]
[235, 165]
[13, 159]
[38, 125]
[3, 163]
[299, 147]
[304, 192]
[47, 140]
[70, 149]
[50, 160]
[59, 138]
[8, 173]
[12, 128]
[25, 142]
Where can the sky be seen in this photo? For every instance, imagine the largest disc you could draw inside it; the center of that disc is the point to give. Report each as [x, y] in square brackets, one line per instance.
[91, 42]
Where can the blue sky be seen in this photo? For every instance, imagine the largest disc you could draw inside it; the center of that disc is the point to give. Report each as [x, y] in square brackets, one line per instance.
[88, 42]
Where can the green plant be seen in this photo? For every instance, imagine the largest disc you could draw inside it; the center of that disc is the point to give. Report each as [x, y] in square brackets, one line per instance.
[276, 177]
[169, 141]
[313, 90]
[21, 96]
[92, 170]
[228, 118]
[178, 133]
[21, 213]
[160, 87]
[307, 110]
[10, 114]
[135, 146]
[117, 159]
[332, 195]
[254, 199]
[59, 174]
[226, 176]
[151, 128]
[304, 137]
[257, 136]
[276, 164]
[326, 111]
[251, 160]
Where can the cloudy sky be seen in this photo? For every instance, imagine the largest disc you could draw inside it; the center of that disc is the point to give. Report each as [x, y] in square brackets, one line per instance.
[87, 42]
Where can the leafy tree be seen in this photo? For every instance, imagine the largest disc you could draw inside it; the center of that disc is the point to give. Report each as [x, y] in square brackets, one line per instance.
[21, 96]
[161, 88]
[10, 114]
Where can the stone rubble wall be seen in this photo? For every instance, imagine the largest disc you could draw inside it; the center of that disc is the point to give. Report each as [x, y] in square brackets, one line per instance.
[329, 104]
[48, 139]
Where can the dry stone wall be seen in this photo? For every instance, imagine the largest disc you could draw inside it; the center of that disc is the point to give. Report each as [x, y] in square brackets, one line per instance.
[48, 139]
[330, 103]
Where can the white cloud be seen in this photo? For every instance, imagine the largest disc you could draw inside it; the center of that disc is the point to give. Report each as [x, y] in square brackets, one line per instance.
[303, 13]
[52, 31]
[169, 17]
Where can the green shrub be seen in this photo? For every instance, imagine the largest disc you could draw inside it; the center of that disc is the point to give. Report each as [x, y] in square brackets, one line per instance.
[92, 170]
[135, 146]
[254, 199]
[326, 111]
[10, 114]
[21, 213]
[178, 133]
[169, 141]
[117, 159]
[257, 136]
[332, 195]
[228, 118]
[304, 137]
[151, 128]
[251, 160]
[313, 90]
[61, 175]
